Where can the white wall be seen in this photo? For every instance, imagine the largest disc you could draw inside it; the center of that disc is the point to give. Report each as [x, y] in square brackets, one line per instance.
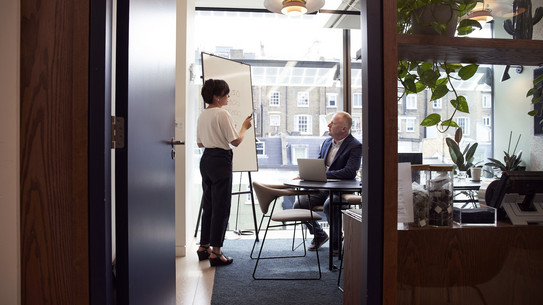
[183, 222]
[10, 290]
[511, 106]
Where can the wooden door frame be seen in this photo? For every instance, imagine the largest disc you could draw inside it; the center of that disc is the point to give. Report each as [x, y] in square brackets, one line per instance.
[54, 154]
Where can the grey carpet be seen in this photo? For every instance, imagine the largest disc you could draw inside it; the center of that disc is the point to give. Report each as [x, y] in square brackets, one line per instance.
[234, 284]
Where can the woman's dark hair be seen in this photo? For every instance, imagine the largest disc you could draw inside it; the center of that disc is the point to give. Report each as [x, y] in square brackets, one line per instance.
[214, 87]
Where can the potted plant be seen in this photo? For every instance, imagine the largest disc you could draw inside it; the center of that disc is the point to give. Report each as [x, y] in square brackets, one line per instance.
[411, 14]
[435, 76]
[511, 162]
[462, 159]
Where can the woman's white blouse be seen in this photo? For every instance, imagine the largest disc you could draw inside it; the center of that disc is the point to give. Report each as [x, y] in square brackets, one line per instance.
[215, 129]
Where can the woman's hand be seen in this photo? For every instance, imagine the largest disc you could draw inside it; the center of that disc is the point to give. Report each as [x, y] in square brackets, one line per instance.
[246, 125]
[248, 122]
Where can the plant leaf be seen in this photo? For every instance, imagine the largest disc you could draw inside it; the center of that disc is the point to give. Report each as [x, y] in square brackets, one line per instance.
[461, 104]
[429, 77]
[420, 86]
[538, 79]
[454, 151]
[431, 120]
[533, 112]
[468, 71]
[471, 152]
[458, 135]
[449, 123]
[439, 92]
[409, 85]
[467, 26]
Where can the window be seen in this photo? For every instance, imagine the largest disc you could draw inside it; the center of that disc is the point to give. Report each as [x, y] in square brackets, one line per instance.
[357, 126]
[411, 101]
[331, 100]
[463, 122]
[275, 120]
[302, 124]
[438, 104]
[303, 99]
[298, 151]
[357, 100]
[486, 121]
[275, 98]
[487, 101]
[408, 122]
[260, 148]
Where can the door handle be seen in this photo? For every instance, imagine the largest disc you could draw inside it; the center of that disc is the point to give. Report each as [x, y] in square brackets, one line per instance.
[174, 142]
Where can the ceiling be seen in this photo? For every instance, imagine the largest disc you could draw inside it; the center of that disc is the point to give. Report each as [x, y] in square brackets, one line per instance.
[335, 20]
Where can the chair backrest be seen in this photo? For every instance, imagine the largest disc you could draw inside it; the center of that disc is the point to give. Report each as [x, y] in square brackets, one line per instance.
[265, 195]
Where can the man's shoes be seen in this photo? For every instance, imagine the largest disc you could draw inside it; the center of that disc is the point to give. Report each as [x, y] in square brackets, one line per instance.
[317, 242]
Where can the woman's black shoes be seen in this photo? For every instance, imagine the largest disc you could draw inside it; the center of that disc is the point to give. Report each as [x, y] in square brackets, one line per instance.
[217, 261]
[203, 255]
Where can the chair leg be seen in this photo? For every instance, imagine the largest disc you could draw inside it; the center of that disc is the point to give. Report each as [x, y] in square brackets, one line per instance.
[304, 236]
[254, 244]
[276, 257]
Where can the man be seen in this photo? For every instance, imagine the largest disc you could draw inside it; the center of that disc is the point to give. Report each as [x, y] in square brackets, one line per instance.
[342, 154]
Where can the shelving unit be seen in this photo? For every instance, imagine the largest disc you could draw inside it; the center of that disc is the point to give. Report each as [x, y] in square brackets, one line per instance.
[470, 50]
[460, 265]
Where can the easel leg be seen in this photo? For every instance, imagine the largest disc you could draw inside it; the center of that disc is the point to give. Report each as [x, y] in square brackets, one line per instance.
[199, 218]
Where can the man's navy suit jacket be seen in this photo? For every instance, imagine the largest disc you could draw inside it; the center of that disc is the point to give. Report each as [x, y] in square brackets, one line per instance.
[347, 160]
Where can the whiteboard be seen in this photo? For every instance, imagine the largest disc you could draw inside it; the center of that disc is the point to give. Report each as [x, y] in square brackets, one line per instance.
[240, 105]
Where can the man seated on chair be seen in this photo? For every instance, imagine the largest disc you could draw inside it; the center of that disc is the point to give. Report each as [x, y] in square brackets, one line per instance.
[342, 154]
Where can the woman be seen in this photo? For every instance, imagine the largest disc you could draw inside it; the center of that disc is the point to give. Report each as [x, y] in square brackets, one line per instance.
[216, 133]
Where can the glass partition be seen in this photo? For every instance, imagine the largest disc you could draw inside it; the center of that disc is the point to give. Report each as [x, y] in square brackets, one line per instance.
[297, 82]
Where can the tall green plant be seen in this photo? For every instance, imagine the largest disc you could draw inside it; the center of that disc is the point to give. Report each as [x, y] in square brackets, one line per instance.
[463, 160]
[511, 162]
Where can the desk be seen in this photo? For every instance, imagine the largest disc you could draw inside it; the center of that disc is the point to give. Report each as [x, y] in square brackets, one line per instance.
[336, 186]
[468, 186]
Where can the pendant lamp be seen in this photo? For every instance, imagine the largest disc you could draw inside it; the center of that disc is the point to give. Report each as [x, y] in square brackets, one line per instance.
[293, 7]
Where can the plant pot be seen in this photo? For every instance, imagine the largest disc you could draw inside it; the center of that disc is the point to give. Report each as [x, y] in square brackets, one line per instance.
[425, 16]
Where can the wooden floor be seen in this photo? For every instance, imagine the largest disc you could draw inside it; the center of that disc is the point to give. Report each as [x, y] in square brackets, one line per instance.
[195, 279]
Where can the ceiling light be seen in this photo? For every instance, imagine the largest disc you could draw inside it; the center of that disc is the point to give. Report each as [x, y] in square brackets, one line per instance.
[293, 7]
[481, 13]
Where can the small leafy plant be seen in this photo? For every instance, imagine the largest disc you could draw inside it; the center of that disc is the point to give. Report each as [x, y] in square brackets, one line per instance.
[463, 160]
[435, 76]
[511, 162]
[408, 11]
[416, 77]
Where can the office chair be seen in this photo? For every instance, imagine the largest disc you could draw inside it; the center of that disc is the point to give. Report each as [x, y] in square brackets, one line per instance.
[267, 196]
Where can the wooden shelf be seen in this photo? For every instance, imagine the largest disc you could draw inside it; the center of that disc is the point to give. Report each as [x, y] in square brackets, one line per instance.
[470, 50]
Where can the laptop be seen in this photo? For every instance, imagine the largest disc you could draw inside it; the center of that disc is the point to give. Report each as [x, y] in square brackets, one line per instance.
[313, 170]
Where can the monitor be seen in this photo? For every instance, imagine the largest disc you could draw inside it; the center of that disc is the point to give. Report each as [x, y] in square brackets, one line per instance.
[411, 157]
[526, 183]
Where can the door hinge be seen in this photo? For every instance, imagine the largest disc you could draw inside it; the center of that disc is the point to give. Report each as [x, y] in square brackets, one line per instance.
[117, 132]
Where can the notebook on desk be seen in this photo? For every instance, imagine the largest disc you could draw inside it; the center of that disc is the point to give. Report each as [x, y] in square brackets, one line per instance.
[313, 170]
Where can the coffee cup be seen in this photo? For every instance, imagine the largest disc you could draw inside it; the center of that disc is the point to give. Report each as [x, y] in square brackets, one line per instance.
[476, 173]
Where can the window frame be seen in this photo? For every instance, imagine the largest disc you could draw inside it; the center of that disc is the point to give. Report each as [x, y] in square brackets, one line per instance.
[275, 99]
[309, 124]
